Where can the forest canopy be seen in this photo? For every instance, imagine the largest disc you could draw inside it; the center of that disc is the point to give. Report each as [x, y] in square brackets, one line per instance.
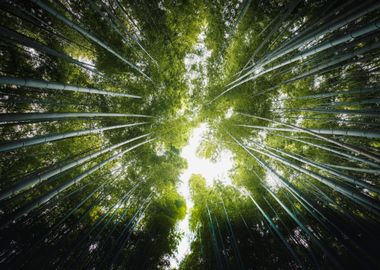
[205, 134]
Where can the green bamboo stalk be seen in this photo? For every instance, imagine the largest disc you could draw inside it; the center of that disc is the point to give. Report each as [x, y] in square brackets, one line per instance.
[109, 21]
[356, 91]
[8, 34]
[53, 137]
[213, 237]
[369, 203]
[316, 176]
[292, 189]
[99, 222]
[338, 111]
[243, 11]
[339, 60]
[57, 103]
[234, 242]
[125, 13]
[339, 22]
[129, 226]
[117, 21]
[327, 45]
[323, 167]
[376, 172]
[30, 182]
[58, 86]
[29, 252]
[306, 29]
[337, 152]
[349, 103]
[21, 117]
[324, 46]
[86, 34]
[340, 132]
[247, 65]
[330, 140]
[290, 234]
[43, 199]
[224, 257]
[347, 122]
[275, 229]
[306, 230]
[20, 12]
[291, 6]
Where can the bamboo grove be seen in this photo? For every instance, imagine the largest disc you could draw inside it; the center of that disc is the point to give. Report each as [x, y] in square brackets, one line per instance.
[98, 99]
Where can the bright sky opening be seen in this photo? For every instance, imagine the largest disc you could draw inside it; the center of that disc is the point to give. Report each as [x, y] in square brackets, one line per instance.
[195, 64]
[211, 171]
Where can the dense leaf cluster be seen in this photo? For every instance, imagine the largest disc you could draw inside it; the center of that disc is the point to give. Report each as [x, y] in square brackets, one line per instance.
[98, 97]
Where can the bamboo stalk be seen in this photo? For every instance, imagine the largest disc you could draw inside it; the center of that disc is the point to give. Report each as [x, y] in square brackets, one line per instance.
[19, 117]
[59, 86]
[53, 137]
[30, 182]
[87, 35]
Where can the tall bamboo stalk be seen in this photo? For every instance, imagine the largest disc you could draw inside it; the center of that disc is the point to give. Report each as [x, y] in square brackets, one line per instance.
[30, 182]
[59, 86]
[330, 140]
[22, 117]
[53, 137]
[339, 132]
[86, 34]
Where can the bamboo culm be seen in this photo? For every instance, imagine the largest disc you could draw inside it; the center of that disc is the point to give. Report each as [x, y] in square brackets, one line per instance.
[86, 34]
[330, 140]
[30, 182]
[53, 137]
[339, 132]
[59, 86]
[22, 117]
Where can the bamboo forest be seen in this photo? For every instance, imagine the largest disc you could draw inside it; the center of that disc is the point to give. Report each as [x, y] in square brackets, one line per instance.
[190, 134]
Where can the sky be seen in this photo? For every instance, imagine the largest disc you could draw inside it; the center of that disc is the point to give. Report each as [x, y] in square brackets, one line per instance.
[211, 171]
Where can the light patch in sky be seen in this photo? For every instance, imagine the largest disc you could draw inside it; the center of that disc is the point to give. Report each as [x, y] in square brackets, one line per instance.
[195, 63]
[229, 113]
[211, 171]
[272, 181]
[36, 62]
[87, 61]
[279, 104]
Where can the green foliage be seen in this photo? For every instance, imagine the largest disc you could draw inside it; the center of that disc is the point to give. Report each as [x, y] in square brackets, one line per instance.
[254, 72]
